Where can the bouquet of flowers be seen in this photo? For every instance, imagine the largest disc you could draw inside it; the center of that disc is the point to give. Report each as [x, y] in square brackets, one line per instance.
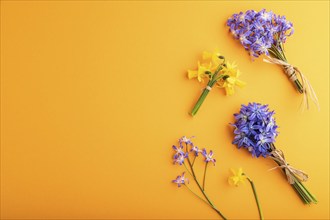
[186, 154]
[217, 71]
[256, 130]
[265, 33]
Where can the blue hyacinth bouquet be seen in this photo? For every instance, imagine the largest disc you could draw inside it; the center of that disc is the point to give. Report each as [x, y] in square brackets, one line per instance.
[256, 130]
[264, 33]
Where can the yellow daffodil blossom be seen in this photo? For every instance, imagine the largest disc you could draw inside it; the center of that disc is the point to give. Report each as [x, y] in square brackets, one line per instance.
[232, 80]
[230, 83]
[240, 177]
[230, 69]
[200, 73]
[213, 58]
[214, 68]
[237, 178]
[210, 62]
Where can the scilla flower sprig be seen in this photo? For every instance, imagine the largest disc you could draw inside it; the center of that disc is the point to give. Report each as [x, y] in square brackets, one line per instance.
[239, 177]
[217, 71]
[256, 130]
[265, 33]
[186, 154]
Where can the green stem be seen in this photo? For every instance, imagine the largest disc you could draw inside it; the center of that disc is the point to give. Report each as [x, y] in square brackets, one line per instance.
[204, 175]
[299, 187]
[195, 194]
[193, 161]
[206, 91]
[203, 192]
[200, 101]
[187, 169]
[256, 197]
[299, 86]
[279, 54]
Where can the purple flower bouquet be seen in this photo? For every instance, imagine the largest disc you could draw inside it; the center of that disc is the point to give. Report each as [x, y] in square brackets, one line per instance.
[265, 33]
[256, 130]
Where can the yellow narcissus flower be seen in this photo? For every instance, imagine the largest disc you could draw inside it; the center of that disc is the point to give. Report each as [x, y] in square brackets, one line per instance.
[210, 62]
[230, 69]
[237, 178]
[229, 82]
[213, 58]
[200, 73]
[214, 68]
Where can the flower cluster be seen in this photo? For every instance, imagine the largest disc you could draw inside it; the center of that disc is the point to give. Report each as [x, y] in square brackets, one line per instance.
[227, 75]
[255, 129]
[258, 31]
[186, 147]
[186, 154]
[217, 71]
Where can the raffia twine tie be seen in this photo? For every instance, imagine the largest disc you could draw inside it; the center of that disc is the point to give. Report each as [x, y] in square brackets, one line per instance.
[208, 88]
[291, 72]
[290, 171]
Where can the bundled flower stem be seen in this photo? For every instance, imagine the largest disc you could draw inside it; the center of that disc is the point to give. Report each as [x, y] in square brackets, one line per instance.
[277, 51]
[295, 177]
[239, 177]
[265, 33]
[181, 157]
[218, 72]
[256, 130]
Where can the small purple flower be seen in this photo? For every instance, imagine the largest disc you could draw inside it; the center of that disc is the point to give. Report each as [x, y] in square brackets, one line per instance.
[181, 180]
[196, 150]
[179, 158]
[255, 129]
[266, 16]
[208, 157]
[185, 140]
[178, 150]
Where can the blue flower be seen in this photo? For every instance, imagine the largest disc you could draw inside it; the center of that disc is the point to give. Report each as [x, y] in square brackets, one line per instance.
[179, 155]
[258, 31]
[196, 150]
[180, 180]
[179, 158]
[208, 156]
[185, 140]
[265, 16]
[255, 129]
[178, 150]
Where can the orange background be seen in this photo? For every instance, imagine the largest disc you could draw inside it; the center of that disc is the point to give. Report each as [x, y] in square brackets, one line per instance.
[94, 94]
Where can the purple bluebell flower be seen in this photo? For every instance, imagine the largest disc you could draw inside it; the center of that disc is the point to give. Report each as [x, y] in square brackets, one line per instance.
[196, 150]
[180, 180]
[208, 156]
[258, 31]
[265, 16]
[255, 129]
[179, 158]
[178, 150]
[185, 140]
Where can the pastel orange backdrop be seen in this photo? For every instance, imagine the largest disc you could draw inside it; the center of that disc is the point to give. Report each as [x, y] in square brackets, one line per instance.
[94, 94]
